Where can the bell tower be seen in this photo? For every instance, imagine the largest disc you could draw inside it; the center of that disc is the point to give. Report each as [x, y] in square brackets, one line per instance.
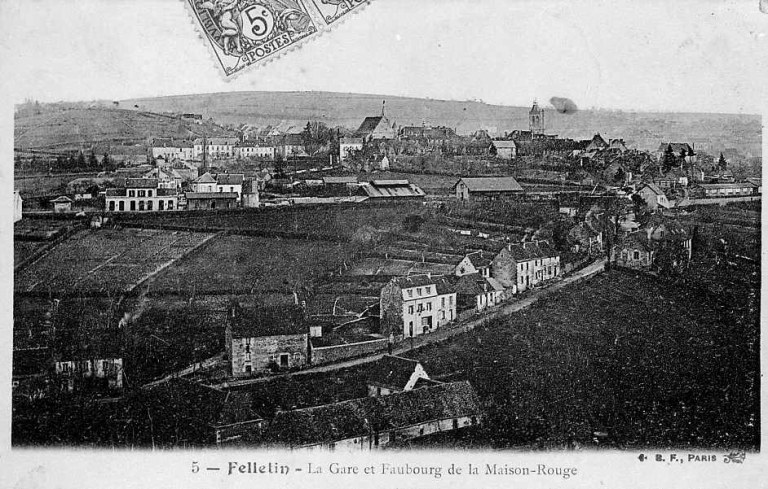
[536, 120]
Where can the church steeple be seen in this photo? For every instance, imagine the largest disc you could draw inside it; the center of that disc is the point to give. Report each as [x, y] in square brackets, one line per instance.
[536, 119]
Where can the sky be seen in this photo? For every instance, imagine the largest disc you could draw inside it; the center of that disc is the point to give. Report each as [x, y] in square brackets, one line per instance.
[705, 56]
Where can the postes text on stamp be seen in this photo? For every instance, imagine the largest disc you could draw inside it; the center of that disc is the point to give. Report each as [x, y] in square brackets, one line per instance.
[245, 32]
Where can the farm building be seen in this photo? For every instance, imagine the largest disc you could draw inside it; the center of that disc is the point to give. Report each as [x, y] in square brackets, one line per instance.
[373, 422]
[476, 292]
[201, 415]
[391, 189]
[263, 340]
[520, 266]
[478, 189]
[62, 204]
[653, 196]
[139, 195]
[349, 145]
[633, 250]
[393, 374]
[211, 200]
[18, 203]
[416, 305]
[506, 150]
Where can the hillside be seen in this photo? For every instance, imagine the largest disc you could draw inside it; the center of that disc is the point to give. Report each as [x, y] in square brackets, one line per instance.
[58, 128]
[710, 132]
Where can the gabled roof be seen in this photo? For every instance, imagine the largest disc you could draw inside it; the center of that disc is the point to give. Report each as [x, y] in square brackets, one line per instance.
[229, 179]
[340, 180]
[62, 199]
[635, 240]
[480, 259]
[205, 178]
[392, 371]
[359, 417]
[653, 188]
[491, 184]
[268, 321]
[370, 124]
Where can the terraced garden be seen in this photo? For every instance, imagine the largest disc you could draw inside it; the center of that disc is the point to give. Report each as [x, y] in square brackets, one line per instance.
[105, 261]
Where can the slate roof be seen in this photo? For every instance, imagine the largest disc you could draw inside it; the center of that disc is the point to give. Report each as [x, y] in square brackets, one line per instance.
[211, 195]
[62, 198]
[504, 144]
[491, 184]
[392, 371]
[370, 124]
[340, 180]
[391, 189]
[359, 417]
[479, 259]
[230, 178]
[652, 186]
[442, 286]
[272, 321]
[531, 250]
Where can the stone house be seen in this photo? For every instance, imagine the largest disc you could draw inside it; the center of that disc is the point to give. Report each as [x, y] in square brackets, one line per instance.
[416, 305]
[633, 250]
[476, 292]
[266, 339]
[505, 150]
[370, 423]
[520, 266]
[475, 262]
[140, 195]
[204, 183]
[230, 182]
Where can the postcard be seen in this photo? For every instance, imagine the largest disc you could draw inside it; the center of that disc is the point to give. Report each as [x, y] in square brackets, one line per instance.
[334, 243]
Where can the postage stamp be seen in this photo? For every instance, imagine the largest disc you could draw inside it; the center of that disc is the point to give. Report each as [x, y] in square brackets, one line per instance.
[245, 32]
[333, 10]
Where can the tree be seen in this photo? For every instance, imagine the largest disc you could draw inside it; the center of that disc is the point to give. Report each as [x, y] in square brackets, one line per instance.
[80, 163]
[106, 162]
[721, 163]
[639, 203]
[92, 161]
[669, 161]
[279, 167]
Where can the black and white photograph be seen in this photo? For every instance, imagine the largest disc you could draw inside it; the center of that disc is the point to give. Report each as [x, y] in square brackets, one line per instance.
[401, 244]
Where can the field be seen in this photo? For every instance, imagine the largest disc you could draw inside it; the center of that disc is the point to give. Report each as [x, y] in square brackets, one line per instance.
[104, 261]
[245, 264]
[329, 222]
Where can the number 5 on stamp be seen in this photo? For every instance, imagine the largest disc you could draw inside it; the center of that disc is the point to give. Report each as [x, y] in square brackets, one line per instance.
[245, 32]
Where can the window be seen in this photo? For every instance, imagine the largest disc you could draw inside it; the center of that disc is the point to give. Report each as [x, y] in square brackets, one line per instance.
[418, 291]
[141, 205]
[149, 193]
[410, 292]
[442, 302]
[160, 205]
[427, 289]
[429, 306]
[410, 309]
[133, 205]
[284, 359]
[636, 255]
[111, 205]
[247, 347]
[248, 369]
[142, 193]
[450, 300]
[131, 193]
[149, 205]
[121, 205]
[170, 205]
[231, 189]
[296, 358]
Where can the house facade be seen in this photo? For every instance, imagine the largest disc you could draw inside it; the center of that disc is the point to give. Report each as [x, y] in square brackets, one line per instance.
[197, 201]
[506, 150]
[204, 183]
[254, 150]
[215, 147]
[230, 182]
[183, 150]
[520, 266]
[141, 195]
[416, 305]
[476, 292]
[715, 190]
[377, 127]
[61, 204]
[264, 340]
